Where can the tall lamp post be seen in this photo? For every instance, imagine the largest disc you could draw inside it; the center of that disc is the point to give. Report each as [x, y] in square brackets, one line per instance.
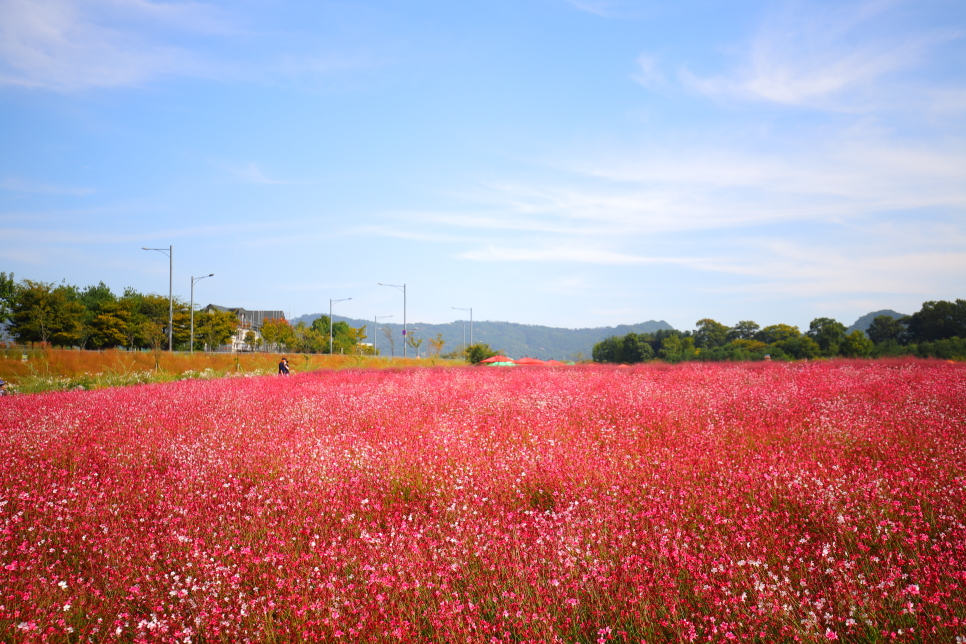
[402, 287]
[375, 334]
[193, 280]
[331, 302]
[169, 251]
[464, 325]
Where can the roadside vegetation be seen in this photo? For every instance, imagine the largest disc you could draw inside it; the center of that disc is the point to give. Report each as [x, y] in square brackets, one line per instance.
[53, 369]
[938, 330]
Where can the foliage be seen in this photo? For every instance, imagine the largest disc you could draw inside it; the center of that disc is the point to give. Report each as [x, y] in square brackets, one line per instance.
[8, 290]
[937, 321]
[629, 349]
[712, 503]
[345, 339]
[828, 334]
[777, 333]
[856, 345]
[884, 328]
[45, 313]
[214, 328]
[107, 328]
[437, 344]
[744, 330]
[677, 348]
[413, 341]
[477, 353]
[710, 333]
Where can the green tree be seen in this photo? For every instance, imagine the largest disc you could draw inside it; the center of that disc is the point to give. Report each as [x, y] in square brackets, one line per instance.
[777, 333]
[437, 344]
[414, 342]
[828, 333]
[677, 348]
[106, 319]
[252, 340]
[345, 339]
[801, 347]
[45, 313]
[278, 334]
[609, 350]
[937, 321]
[636, 349]
[214, 328]
[710, 333]
[744, 330]
[884, 328]
[857, 345]
[108, 328]
[477, 353]
[8, 289]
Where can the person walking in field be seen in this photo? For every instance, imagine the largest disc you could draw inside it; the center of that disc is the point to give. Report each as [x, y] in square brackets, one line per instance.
[3, 388]
[283, 369]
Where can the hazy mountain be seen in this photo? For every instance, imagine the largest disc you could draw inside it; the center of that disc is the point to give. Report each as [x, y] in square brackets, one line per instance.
[862, 324]
[512, 339]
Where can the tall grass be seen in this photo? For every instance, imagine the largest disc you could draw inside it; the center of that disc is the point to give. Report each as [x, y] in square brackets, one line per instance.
[49, 369]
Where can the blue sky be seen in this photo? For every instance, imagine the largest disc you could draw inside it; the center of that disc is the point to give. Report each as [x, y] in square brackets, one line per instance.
[562, 162]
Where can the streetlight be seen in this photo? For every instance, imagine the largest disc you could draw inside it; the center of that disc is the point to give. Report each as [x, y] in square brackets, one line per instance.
[375, 334]
[464, 325]
[403, 287]
[193, 280]
[169, 251]
[331, 301]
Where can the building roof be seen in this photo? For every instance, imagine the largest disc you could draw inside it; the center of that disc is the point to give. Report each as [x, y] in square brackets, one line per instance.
[254, 318]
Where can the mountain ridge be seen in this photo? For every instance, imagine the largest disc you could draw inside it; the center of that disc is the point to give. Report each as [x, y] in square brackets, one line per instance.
[511, 338]
[862, 324]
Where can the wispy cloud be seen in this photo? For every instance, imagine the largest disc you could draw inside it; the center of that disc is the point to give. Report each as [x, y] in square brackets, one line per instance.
[568, 254]
[253, 173]
[18, 184]
[829, 58]
[649, 73]
[611, 8]
[72, 45]
[66, 45]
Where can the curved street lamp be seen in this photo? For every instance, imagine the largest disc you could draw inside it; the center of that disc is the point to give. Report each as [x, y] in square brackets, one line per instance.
[464, 325]
[193, 280]
[169, 251]
[401, 287]
[331, 302]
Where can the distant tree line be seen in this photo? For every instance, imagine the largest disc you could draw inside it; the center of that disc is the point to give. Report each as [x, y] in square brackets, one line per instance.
[96, 318]
[937, 330]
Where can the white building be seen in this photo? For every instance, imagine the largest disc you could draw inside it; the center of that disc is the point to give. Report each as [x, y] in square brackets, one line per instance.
[247, 321]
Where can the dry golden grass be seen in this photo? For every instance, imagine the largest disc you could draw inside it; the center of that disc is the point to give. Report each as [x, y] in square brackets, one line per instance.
[73, 363]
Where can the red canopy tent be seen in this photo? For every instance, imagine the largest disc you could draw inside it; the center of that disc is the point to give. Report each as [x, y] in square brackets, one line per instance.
[496, 359]
[555, 363]
[533, 361]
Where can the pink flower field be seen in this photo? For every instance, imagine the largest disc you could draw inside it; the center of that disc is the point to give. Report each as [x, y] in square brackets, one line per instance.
[698, 503]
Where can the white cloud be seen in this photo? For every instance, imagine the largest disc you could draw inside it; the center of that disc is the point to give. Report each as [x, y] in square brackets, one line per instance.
[66, 45]
[612, 8]
[18, 184]
[72, 45]
[832, 59]
[567, 254]
[253, 173]
[649, 73]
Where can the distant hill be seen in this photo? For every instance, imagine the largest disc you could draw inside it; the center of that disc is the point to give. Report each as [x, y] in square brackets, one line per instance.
[862, 324]
[512, 339]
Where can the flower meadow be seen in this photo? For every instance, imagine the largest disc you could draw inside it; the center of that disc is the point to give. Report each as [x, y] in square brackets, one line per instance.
[695, 503]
